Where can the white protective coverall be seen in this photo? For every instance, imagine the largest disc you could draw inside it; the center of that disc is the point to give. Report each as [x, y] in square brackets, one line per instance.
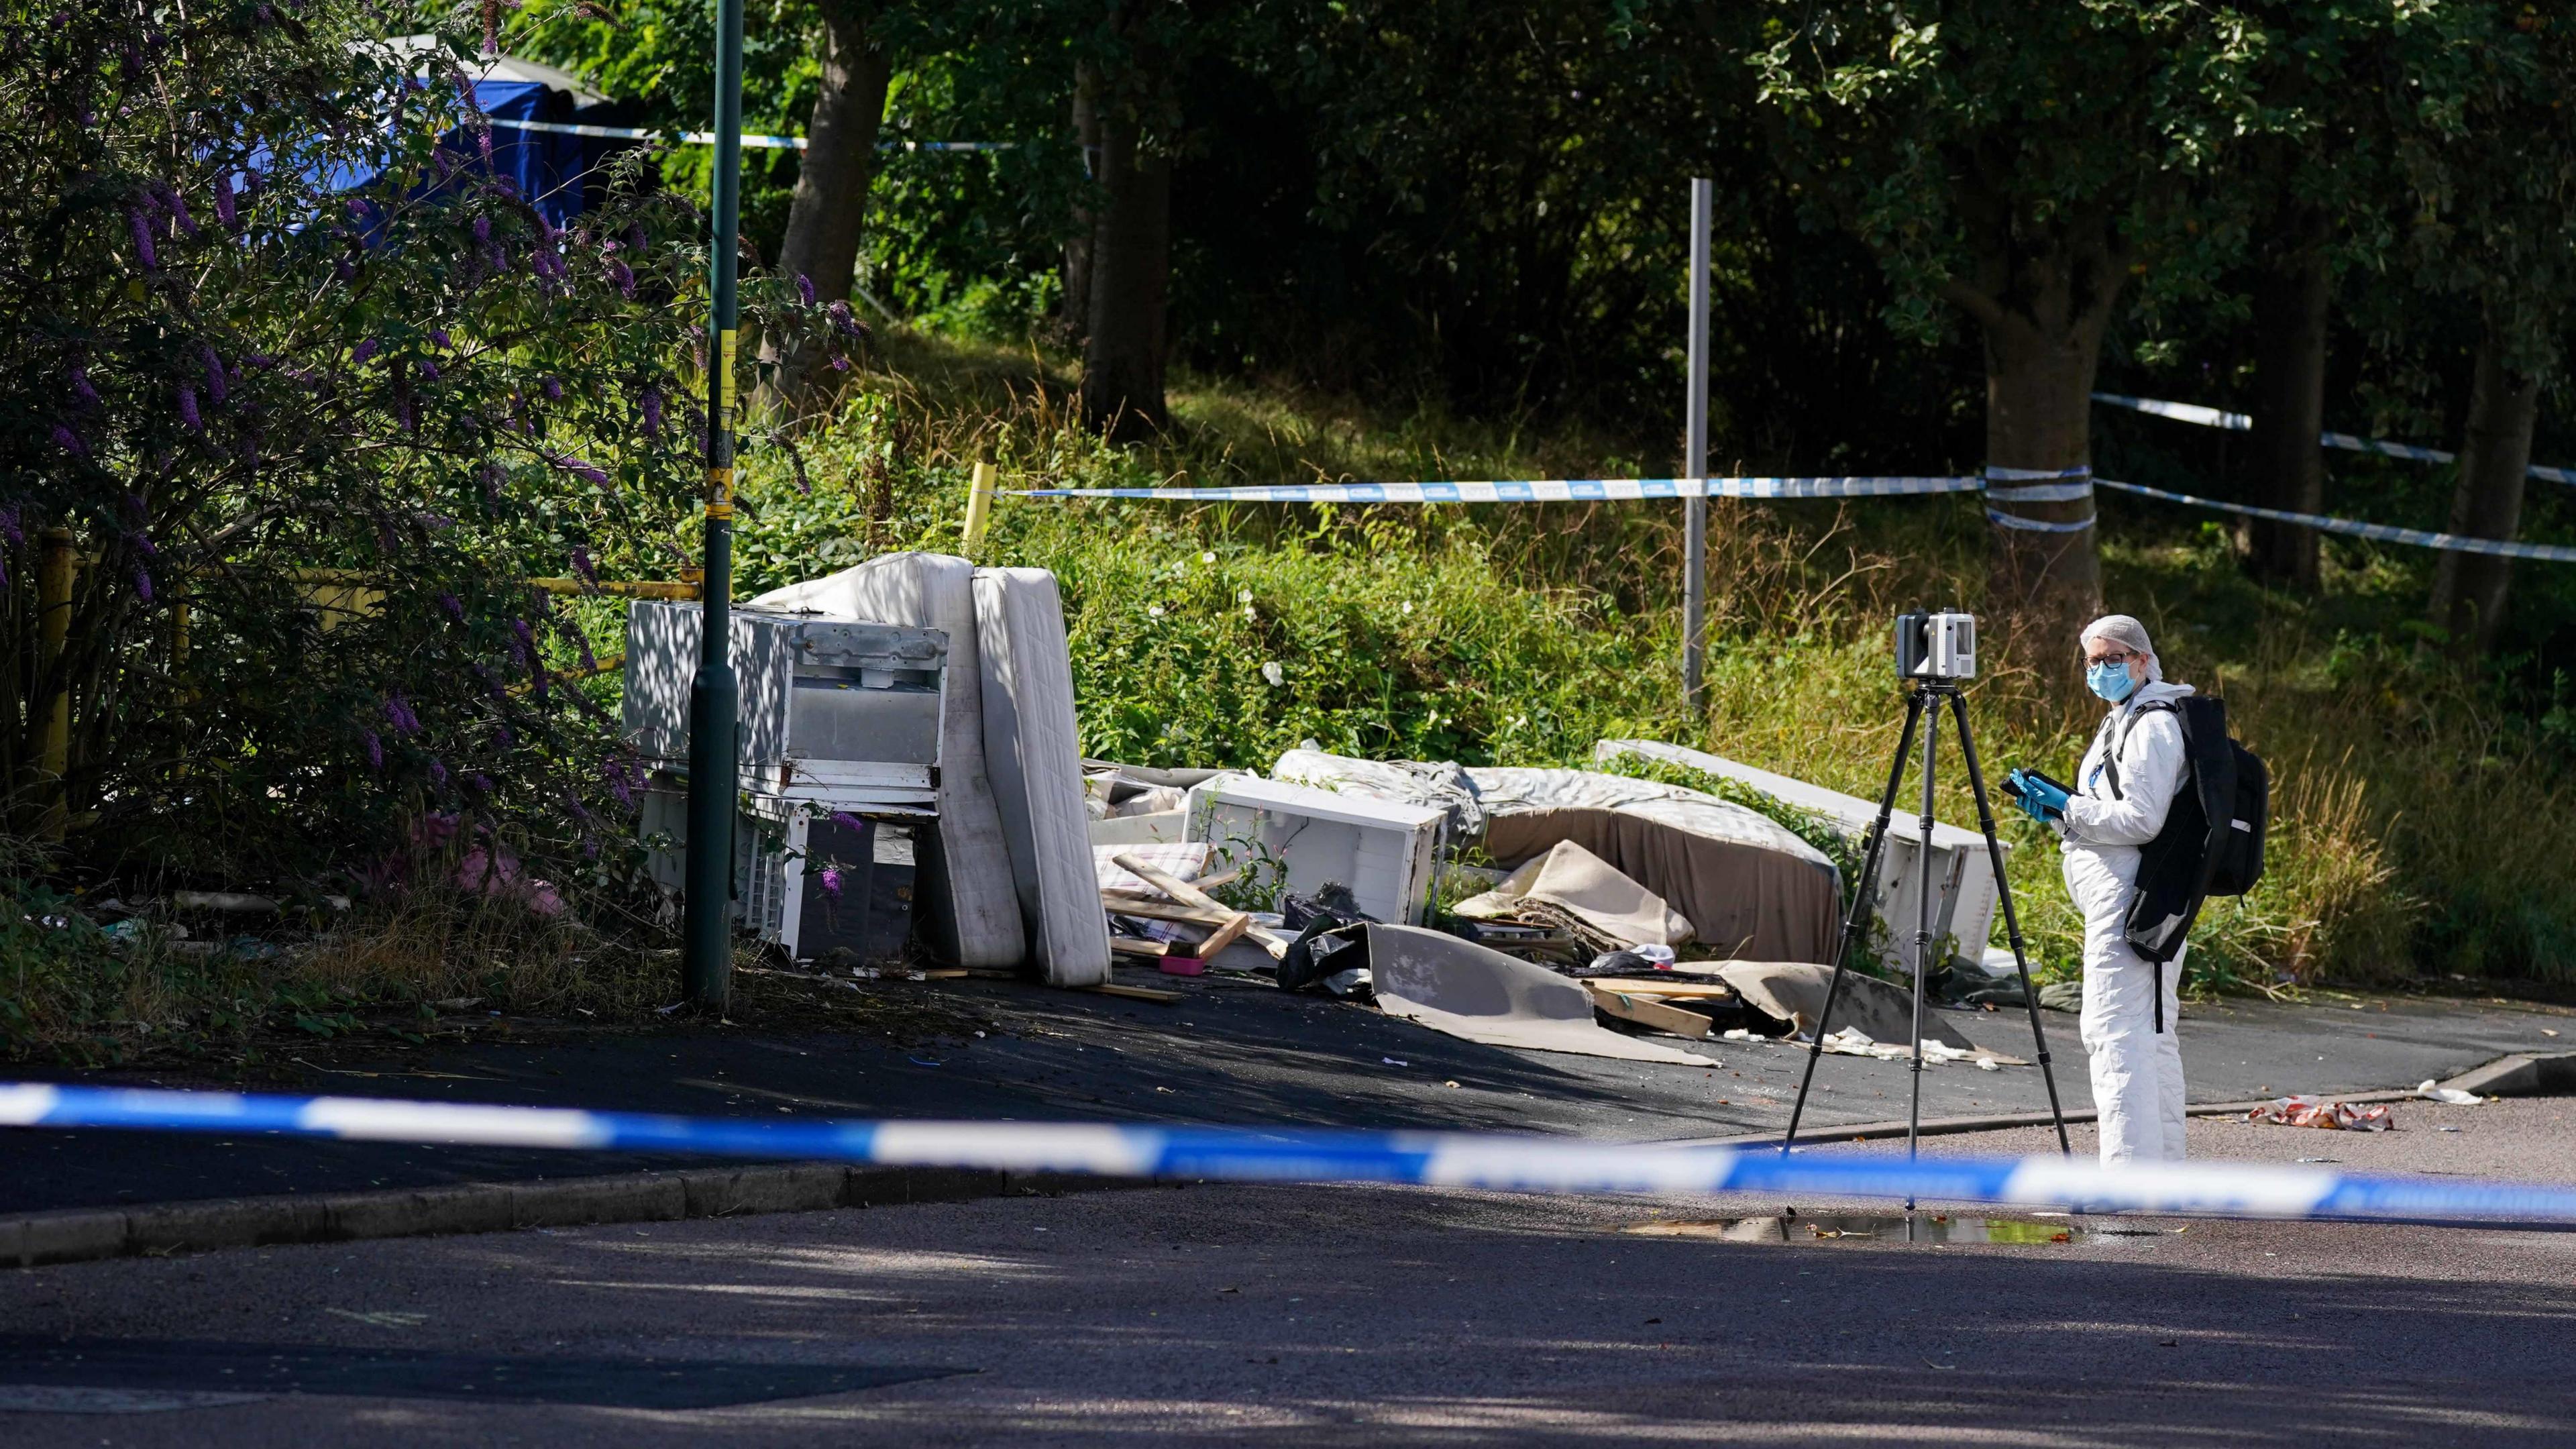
[2137, 1071]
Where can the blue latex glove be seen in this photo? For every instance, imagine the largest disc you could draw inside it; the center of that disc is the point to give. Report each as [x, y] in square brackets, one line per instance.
[2038, 799]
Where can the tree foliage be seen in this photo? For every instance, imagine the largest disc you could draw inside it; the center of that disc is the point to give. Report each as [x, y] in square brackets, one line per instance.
[307, 397]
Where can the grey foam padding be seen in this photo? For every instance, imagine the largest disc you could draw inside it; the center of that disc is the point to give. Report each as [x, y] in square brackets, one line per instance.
[974, 912]
[1035, 756]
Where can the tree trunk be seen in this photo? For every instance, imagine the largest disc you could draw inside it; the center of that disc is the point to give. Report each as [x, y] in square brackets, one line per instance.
[1122, 359]
[2039, 418]
[2041, 289]
[1075, 306]
[2469, 589]
[2290, 301]
[828, 215]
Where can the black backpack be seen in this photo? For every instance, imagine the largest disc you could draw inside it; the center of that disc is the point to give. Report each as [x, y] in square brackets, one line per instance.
[2212, 840]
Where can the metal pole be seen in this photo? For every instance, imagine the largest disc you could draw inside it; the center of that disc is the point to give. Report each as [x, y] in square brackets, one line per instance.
[2012, 922]
[57, 565]
[1922, 926]
[1856, 915]
[1695, 454]
[706, 957]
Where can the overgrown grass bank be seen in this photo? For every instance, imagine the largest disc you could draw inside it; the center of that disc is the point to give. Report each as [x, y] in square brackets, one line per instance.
[2414, 817]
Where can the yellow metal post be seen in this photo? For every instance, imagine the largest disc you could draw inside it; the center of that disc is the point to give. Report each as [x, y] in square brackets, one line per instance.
[55, 567]
[979, 506]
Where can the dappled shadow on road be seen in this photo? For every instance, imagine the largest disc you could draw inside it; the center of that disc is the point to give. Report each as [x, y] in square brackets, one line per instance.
[1334, 1315]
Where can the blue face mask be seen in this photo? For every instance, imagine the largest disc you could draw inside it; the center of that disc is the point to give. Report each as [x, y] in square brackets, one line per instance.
[2111, 681]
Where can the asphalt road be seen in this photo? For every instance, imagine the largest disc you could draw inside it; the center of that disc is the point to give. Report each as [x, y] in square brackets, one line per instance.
[1343, 1316]
[1228, 1052]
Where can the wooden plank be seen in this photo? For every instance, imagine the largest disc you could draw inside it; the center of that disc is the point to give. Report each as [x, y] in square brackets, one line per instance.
[1662, 1018]
[1223, 937]
[1134, 993]
[1168, 883]
[1188, 894]
[1132, 946]
[1153, 910]
[1660, 986]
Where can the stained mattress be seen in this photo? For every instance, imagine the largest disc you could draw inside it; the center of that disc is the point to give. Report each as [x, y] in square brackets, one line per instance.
[1034, 757]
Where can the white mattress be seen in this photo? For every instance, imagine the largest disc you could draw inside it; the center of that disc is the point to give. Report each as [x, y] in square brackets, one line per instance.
[971, 912]
[1034, 757]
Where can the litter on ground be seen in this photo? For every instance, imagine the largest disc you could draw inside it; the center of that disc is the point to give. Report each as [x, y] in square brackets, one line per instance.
[2320, 1112]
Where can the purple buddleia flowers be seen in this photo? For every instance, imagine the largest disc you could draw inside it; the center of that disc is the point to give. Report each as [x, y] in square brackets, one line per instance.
[453, 606]
[143, 252]
[831, 878]
[218, 387]
[375, 749]
[178, 206]
[619, 785]
[582, 566]
[398, 713]
[438, 774]
[69, 441]
[552, 387]
[651, 406]
[622, 277]
[805, 289]
[365, 349]
[225, 211]
[188, 416]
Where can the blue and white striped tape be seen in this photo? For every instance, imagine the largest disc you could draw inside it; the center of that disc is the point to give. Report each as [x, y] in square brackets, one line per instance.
[2456, 543]
[1540, 490]
[1498, 1161]
[708, 138]
[2078, 484]
[2203, 417]
[2028, 485]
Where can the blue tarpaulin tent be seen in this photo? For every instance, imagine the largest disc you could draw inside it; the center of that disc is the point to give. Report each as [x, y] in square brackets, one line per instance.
[561, 175]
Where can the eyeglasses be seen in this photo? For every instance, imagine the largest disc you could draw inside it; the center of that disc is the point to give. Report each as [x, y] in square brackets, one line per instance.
[2122, 657]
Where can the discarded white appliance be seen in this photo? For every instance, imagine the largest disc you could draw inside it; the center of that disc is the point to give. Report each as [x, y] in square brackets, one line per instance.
[1963, 878]
[970, 903]
[839, 751]
[832, 709]
[1385, 850]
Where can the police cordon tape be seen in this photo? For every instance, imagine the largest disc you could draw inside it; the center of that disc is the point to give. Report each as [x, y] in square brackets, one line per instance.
[2455, 543]
[2208, 417]
[1541, 490]
[1497, 1161]
[708, 138]
[2079, 484]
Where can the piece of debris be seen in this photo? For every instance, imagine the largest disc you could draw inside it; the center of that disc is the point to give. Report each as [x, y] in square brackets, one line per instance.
[2453, 1095]
[1646, 1011]
[1482, 995]
[1572, 888]
[2319, 1112]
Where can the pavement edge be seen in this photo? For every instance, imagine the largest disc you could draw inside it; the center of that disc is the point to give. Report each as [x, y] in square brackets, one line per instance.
[80, 1235]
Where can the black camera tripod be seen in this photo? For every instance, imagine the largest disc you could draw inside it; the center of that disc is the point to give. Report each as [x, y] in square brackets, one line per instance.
[1922, 706]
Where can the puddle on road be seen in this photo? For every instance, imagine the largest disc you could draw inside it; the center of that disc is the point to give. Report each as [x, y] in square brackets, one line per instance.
[1867, 1227]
